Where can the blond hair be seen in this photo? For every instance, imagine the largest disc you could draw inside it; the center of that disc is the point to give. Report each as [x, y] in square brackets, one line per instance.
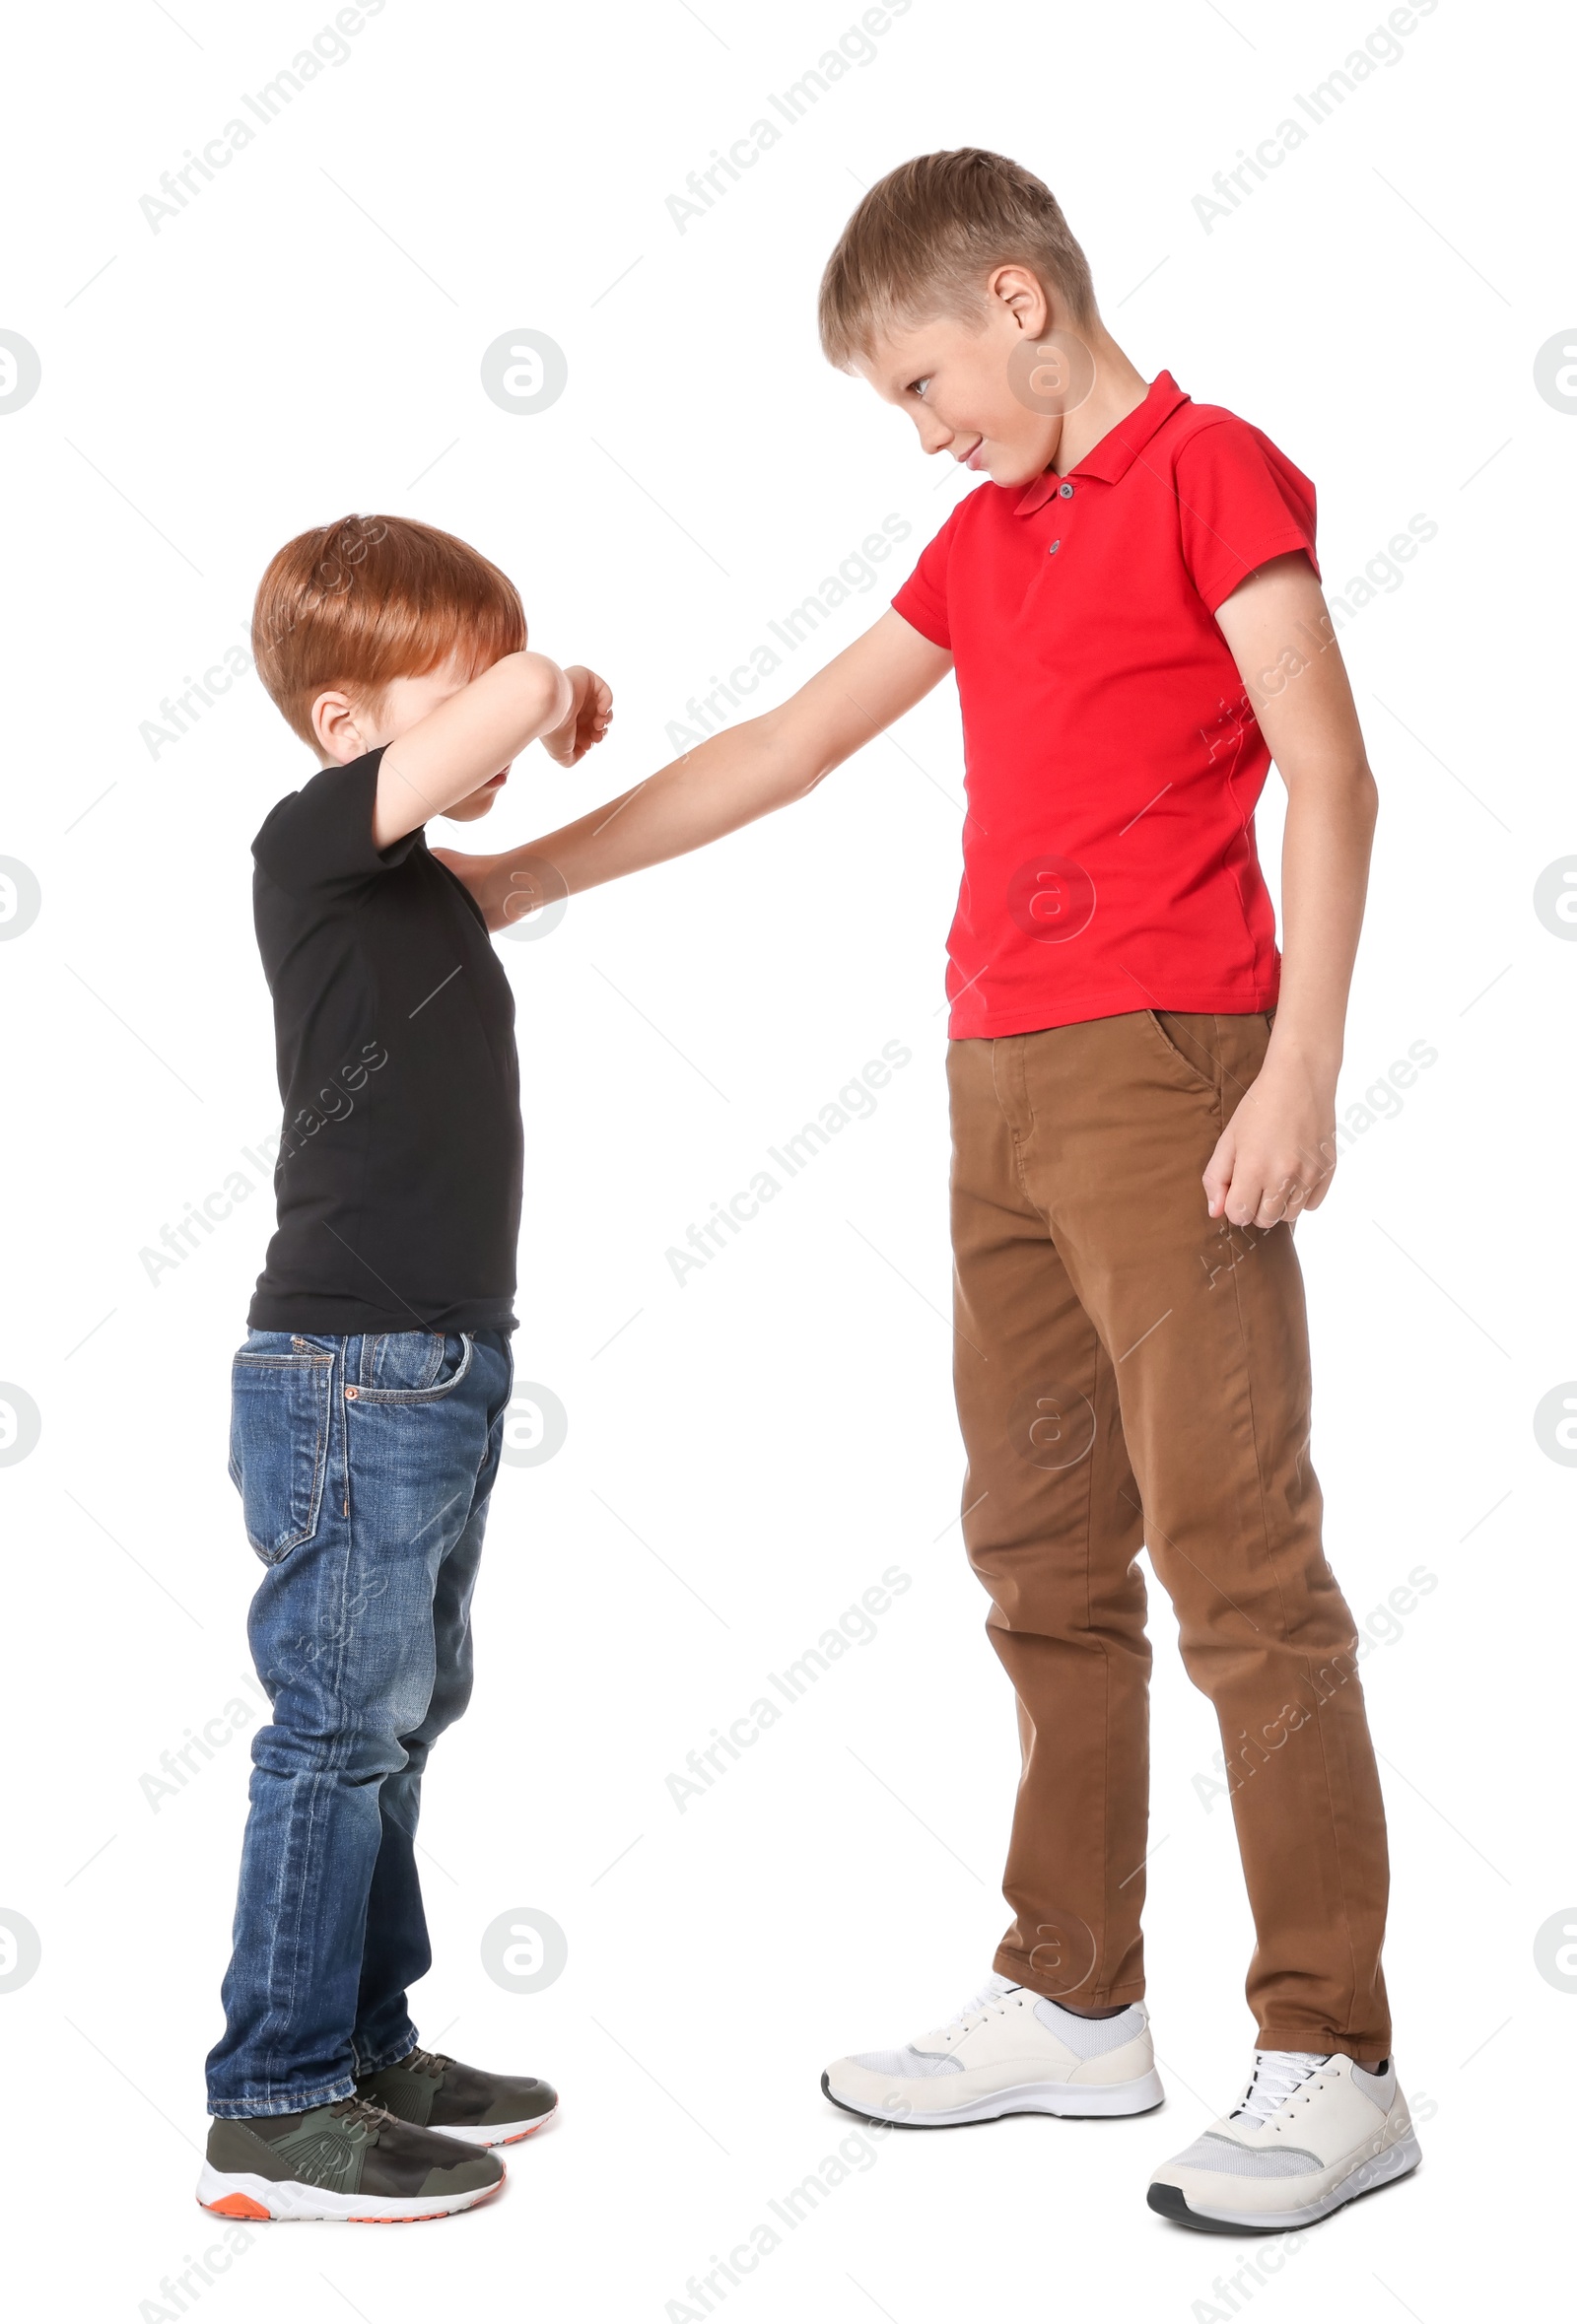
[927, 234]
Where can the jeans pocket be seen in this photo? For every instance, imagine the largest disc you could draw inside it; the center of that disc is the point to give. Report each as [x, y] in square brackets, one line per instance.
[412, 1367]
[279, 1421]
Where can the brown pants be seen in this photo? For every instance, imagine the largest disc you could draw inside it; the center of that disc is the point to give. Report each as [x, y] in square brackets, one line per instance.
[1131, 1373]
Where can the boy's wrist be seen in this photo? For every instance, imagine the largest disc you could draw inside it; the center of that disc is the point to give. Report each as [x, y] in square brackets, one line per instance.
[1315, 1049]
[564, 741]
[569, 698]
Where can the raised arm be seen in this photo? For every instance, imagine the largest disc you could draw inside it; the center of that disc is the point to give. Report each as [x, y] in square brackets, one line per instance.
[473, 735]
[730, 780]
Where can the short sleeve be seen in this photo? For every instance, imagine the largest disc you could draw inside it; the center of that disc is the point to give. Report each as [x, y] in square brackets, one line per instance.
[1240, 503]
[922, 599]
[321, 838]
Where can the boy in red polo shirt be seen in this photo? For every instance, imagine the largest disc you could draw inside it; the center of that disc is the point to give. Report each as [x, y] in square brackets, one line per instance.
[1142, 1105]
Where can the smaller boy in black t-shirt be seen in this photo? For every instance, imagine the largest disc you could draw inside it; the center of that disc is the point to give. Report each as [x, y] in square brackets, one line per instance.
[368, 1400]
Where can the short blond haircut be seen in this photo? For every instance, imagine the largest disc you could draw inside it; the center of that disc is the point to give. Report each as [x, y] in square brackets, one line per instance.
[926, 236]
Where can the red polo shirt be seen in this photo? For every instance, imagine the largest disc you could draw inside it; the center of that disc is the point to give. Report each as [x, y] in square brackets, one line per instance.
[1112, 763]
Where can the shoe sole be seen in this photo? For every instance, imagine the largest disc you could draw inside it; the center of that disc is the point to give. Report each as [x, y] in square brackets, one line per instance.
[1086, 2102]
[243, 2195]
[494, 2134]
[1376, 2171]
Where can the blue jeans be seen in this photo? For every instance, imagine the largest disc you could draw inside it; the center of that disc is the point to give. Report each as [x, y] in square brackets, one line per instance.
[365, 1464]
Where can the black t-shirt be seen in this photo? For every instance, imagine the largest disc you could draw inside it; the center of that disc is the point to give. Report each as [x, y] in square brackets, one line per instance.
[398, 1178]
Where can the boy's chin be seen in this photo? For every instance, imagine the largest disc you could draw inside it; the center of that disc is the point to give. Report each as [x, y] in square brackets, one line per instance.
[1015, 468]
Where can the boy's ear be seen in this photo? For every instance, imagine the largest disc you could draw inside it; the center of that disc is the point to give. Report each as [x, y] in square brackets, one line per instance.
[1022, 296]
[334, 728]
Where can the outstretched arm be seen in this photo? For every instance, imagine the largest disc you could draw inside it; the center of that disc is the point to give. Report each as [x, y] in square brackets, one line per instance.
[730, 780]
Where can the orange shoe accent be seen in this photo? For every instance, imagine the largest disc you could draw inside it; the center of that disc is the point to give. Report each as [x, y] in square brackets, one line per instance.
[238, 2207]
[412, 2218]
[409, 2219]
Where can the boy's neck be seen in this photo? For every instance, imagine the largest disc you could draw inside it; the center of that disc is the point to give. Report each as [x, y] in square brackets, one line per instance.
[1119, 390]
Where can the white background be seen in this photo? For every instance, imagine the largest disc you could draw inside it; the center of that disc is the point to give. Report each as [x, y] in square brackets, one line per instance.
[750, 1452]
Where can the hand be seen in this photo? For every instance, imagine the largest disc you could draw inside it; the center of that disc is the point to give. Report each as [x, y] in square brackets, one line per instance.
[590, 716]
[1275, 1157]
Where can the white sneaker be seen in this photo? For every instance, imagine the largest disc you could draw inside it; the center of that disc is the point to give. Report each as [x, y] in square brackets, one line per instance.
[1308, 2134]
[1009, 2051]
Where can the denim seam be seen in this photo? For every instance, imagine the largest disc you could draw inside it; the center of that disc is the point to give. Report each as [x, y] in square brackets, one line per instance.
[244, 2110]
[307, 1849]
[422, 1396]
[379, 2065]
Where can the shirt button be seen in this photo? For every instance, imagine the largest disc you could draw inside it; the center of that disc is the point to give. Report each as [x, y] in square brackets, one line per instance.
[1051, 551]
[1066, 492]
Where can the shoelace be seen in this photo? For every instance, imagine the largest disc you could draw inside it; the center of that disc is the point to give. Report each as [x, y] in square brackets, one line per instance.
[991, 1996]
[364, 2111]
[1278, 2075]
[427, 2062]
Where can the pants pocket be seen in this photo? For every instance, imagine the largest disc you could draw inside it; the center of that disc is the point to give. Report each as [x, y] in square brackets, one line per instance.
[412, 1367]
[1184, 1040]
[279, 1421]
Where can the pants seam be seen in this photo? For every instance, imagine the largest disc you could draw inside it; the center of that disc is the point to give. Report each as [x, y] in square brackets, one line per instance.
[1266, 1536]
[298, 2102]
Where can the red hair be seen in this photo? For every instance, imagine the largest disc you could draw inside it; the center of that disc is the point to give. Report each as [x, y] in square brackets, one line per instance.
[359, 602]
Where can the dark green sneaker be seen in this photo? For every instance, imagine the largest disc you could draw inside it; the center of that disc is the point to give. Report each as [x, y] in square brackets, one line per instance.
[461, 2102]
[350, 2161]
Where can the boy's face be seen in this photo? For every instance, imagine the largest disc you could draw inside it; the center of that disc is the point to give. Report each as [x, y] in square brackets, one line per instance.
[994, 392]
[347, 727]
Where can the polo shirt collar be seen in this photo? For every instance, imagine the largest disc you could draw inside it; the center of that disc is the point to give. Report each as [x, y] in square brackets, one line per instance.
[1110, 459]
